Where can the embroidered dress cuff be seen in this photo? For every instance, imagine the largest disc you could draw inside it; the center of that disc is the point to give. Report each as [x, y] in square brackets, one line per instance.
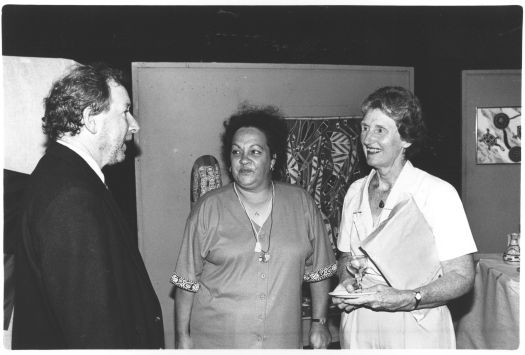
[187, 285]
[320, 274]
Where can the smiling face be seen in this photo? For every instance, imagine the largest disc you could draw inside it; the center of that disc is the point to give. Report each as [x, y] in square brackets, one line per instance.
[117, 126]
[382, 144]
[251, 159]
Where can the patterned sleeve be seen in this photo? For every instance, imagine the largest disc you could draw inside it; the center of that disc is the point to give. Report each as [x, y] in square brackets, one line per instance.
[320, 264]
[190, 261]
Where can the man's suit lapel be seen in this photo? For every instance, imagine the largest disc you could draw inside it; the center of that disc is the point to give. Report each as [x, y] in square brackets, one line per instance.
[77, 163]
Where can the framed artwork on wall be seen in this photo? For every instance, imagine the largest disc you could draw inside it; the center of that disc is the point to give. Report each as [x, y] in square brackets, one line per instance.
[498, 135]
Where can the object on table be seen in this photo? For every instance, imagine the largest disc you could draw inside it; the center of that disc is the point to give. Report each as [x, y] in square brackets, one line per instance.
[512, 254]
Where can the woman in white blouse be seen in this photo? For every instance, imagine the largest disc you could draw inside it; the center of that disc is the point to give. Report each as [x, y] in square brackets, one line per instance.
[386, 317]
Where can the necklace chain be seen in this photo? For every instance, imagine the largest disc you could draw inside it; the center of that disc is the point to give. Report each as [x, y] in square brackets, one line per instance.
[264, 256]
[382, 195]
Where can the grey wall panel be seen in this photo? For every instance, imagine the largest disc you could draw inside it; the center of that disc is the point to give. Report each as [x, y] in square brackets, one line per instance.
[490, 193]
[181, 107]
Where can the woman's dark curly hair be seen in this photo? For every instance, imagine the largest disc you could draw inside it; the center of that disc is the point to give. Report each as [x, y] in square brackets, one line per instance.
[84, 86]
[405, 109]
[269, 121]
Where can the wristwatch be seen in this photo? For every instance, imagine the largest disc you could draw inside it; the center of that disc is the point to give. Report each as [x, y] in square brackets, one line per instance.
[417, 296]
[321, 321]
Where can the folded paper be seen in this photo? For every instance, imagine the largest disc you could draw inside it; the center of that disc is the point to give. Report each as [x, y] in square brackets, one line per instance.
[403, 249]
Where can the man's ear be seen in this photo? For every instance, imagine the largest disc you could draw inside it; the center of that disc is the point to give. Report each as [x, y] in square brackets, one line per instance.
[89, 120]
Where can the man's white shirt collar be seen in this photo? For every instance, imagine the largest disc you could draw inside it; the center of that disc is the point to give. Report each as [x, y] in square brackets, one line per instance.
[88, 158]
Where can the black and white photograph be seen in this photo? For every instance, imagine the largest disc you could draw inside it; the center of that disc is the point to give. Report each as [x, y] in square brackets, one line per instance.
[261, 175]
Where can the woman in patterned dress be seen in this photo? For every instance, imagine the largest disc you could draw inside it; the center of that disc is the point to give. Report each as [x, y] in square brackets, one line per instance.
[248, 247]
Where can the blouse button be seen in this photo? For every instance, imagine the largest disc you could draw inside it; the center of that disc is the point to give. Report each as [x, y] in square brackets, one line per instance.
[263, 276]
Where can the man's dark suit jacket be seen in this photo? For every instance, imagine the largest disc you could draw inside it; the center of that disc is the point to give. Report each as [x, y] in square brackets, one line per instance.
[80, 282]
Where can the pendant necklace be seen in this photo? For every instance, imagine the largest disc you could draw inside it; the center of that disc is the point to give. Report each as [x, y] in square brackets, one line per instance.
[382, 198]
[264, 255]
[383, 195]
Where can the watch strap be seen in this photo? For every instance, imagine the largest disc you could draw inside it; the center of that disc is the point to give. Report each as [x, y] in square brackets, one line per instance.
[319, 320]
[417, 296]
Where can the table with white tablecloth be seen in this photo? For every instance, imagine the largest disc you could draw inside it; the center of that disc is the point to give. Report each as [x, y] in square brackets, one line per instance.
[492, 322]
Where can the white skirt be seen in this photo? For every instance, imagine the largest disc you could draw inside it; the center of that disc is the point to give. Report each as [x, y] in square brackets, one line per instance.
[430, 328]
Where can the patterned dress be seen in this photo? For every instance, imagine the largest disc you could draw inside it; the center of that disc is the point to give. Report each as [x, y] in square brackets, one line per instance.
[241, 302]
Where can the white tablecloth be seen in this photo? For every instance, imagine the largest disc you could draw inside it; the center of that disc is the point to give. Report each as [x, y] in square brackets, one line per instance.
[493, 320]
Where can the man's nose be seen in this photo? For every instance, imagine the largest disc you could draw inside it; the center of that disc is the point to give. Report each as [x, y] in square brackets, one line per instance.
[133, 126]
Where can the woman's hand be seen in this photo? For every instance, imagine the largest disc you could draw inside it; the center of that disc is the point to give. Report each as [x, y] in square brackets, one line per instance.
[384, 299]
[457, 279]
[183, 342]
[348, 286]
[320, 336]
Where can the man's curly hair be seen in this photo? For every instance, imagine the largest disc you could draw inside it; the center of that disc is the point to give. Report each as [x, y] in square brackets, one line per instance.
[85, 86]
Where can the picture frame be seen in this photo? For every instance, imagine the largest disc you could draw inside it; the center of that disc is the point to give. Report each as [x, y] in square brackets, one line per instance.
[498, 135]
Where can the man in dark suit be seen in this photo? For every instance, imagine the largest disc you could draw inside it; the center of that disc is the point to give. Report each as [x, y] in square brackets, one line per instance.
[80, 280]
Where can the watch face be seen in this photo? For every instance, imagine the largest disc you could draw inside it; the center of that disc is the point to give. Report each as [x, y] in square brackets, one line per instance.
[418, 296]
